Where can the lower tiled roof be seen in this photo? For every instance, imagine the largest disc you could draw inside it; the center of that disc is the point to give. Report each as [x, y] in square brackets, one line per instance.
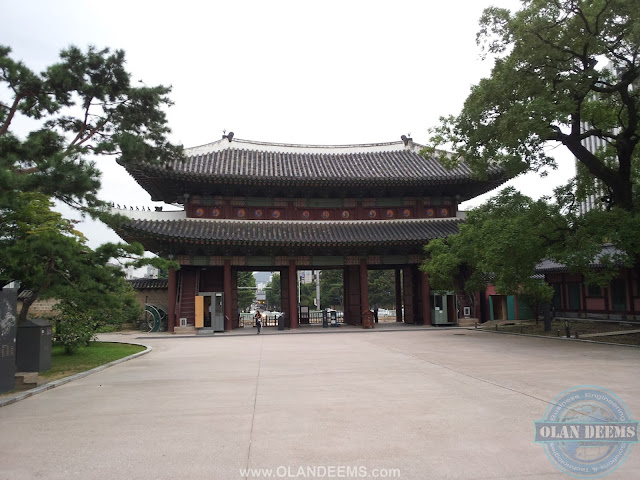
[295, 233]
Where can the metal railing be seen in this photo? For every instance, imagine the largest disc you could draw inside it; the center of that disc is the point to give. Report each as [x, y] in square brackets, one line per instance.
[271, 320]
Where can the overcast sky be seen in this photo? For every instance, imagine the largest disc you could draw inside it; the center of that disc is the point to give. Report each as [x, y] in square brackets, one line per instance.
[327, 72]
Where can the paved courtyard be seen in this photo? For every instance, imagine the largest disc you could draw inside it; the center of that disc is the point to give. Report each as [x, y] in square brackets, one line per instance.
[418, 404]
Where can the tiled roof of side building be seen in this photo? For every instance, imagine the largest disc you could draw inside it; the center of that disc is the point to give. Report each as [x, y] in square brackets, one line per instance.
[149, 283]
[292, 233]
[243, 162]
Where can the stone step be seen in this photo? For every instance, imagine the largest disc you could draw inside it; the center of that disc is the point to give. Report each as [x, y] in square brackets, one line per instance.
[26, 381]
[467, 322]
[187, 329]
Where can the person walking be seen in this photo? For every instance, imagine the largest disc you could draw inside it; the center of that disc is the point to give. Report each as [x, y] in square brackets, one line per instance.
[258, 320]
[375, 312]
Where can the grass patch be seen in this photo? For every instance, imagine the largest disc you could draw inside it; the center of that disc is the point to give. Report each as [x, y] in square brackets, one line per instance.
[86, 358]
[580, 326]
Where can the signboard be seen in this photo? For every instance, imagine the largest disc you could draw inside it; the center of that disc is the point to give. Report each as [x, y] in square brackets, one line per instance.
[8, 321]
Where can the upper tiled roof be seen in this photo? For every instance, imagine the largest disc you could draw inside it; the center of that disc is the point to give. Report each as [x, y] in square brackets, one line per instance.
[218, 167]
[289, 235]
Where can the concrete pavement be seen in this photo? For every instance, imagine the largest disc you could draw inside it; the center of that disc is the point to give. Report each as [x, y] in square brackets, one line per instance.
[457, 404]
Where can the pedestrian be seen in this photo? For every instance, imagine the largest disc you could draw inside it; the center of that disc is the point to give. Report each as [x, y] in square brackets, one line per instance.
[375, 312]
[258, 320]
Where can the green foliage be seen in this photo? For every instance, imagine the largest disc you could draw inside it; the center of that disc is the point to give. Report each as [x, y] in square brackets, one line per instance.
[246, 295]
[558, 66]
[83, 105]
[331, 289]
[536, 293]
[382, 288]
[73, 331]
[308, 294]
[273, 293]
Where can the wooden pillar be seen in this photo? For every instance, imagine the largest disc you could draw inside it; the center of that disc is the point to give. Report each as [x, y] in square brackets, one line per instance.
[293, 297]
[364, 286]
[398, 296]
[171, 322]
[425, 293]
[228, 324]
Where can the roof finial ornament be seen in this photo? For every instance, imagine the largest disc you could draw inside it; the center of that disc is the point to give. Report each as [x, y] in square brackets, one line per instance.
[406, 139]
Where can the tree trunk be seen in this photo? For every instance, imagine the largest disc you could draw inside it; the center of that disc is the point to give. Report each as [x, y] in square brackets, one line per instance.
[546, 311]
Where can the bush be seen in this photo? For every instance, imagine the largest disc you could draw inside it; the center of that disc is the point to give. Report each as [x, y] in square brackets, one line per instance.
[72, 332]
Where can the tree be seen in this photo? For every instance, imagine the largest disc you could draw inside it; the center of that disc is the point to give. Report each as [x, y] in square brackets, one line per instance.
[501, 242]
[566, 71]
[382, 288]
[272, 292]
[84, 105]
[49, 257]
[246, 289]
[331, 288]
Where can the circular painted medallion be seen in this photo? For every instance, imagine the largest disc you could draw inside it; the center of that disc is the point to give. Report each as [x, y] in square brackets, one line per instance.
[325, 214]
[444, 212]
[275, 214]
[389, 213]
[215, 213]
[430, 212]
[305, 214]
[258, 213]
[372, 214]
[241, 213]
[345, 214]
[199, 212]
[406, 213]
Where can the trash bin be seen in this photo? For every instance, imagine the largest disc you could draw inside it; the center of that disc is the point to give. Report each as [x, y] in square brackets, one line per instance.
[367, 319]
[33, 346]
[281, 322]
[334, 318]
[325, 319]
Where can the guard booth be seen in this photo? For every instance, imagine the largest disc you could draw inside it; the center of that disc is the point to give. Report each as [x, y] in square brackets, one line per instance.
[210, 311]
[443, 309]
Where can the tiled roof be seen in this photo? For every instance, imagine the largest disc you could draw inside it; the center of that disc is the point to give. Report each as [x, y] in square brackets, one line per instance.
[288, 237]
[608, 255]
[299, 232]
[367, 168]
[149, 283]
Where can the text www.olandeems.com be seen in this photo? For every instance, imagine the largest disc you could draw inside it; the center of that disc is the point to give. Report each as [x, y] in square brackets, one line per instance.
[320, 471]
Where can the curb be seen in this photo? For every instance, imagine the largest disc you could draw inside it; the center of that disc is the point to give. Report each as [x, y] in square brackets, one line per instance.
[62, 381]
[555, 338]
[335, 331]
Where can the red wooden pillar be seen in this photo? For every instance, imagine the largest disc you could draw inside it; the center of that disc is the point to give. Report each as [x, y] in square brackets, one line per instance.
[398, 296]
[228, 324]
[425, 293]
[364, 287]
[171, 322]
[293, 297]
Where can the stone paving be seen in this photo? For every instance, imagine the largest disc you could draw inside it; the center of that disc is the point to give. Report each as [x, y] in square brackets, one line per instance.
[423, 403]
